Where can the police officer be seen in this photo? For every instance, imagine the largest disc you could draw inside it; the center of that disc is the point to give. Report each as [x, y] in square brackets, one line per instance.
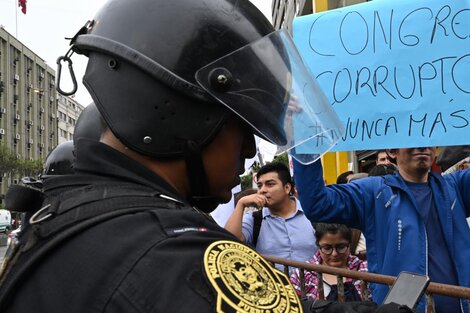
[182, 87]
[27, 196]
[59, 160]
[89, 124]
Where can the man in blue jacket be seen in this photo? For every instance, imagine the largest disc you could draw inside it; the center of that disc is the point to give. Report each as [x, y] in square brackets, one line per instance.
[413, 220]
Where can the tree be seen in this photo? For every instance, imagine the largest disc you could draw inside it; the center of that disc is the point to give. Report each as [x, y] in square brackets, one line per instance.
[29, 168]
[282, 158]
[255, 167]
[8, 161]
[10, 165]
[247, 181]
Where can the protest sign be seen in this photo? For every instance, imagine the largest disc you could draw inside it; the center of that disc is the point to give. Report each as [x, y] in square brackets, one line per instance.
[396, 72]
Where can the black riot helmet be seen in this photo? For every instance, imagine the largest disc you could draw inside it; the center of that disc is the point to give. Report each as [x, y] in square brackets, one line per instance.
[88, 124]
[143, 59]
[59, 161]
[165, 76]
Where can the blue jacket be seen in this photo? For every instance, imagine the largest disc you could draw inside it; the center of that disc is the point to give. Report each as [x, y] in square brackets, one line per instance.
[385, 210]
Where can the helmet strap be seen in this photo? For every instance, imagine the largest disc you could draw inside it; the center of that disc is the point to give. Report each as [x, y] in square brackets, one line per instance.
[198, 179]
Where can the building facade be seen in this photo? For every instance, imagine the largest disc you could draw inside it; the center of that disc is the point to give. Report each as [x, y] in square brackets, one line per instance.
[31, 123]
[68, 111]
[28, 106]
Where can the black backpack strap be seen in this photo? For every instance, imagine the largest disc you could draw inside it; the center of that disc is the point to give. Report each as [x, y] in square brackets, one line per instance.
[257, 220]
[57, 221]
[94, 201]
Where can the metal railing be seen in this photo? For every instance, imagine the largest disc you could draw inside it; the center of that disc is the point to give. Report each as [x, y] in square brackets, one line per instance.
[364, 277]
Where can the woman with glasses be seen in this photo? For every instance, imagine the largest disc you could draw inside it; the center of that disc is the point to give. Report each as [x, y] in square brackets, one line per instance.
[333, 242]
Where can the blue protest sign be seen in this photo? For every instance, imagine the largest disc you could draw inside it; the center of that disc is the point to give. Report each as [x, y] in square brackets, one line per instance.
[396, 72]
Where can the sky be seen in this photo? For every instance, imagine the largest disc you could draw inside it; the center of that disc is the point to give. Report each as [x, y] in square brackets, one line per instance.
[48, 22]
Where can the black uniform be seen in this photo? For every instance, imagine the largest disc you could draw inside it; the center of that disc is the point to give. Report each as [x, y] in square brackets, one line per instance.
[154, 260]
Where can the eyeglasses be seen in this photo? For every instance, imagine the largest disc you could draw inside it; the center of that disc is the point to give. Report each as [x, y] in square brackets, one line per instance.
[340, 248]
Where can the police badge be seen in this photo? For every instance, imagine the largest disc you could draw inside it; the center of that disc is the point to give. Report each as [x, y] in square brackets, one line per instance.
[245, 282]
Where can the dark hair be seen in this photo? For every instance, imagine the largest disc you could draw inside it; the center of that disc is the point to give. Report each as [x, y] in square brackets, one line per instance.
[382, 169]
[380, 151]
[343, 178]
[281, 170]
[321, 229]
[387, 152]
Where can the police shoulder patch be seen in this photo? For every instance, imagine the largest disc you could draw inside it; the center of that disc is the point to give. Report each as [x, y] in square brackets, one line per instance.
[245, 282]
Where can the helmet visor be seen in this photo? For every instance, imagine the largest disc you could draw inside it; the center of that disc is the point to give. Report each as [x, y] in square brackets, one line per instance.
[267, 84]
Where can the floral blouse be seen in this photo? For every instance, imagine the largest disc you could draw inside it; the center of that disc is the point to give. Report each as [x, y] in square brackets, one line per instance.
[311, 279]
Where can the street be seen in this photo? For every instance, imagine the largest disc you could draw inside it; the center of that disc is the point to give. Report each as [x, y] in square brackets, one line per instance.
[3, 249]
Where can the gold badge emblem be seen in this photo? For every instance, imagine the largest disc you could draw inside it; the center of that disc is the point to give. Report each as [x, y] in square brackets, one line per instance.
[245, 282]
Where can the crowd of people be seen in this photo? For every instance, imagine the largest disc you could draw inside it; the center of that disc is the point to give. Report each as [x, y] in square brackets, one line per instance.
[413, 220]
[408, 215]
[270, 218]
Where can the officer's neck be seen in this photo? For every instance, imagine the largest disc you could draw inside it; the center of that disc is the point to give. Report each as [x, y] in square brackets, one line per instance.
[172, 171]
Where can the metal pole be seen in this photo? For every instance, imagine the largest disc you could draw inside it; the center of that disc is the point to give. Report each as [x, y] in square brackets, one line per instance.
[260, 157]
